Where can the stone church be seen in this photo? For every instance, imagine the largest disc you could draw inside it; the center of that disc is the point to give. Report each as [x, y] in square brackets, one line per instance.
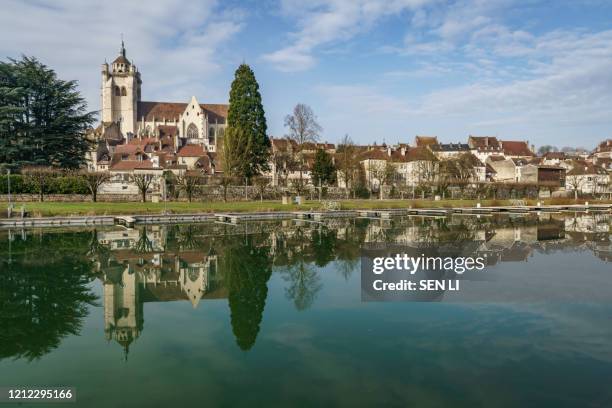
[190, 123]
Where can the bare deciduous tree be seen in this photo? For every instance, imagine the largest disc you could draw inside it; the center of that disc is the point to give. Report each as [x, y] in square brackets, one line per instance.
[347, 164]
[189, 182]
[303, 128]
[143, 182]
[385, 173]
[574, 182]
[94, 180]
[261, 183]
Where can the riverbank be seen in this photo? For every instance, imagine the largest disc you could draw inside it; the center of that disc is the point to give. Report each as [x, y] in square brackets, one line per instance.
[51, 209]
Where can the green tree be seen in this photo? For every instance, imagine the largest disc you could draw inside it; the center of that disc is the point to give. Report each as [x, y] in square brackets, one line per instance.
[323, 169]
[43, 119]
[246, 266]
[45, 292]
[547, 148]
[246, 113]
[235, 153]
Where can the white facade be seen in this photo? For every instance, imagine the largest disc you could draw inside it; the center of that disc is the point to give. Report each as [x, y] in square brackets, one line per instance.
[120, 92]
[121, 103]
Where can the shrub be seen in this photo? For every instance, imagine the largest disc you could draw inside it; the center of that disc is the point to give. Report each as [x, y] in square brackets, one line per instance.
[56, 185]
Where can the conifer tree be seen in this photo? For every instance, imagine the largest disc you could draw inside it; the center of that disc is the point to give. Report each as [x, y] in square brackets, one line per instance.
[43, 119]
[323, 169]
[247, 114]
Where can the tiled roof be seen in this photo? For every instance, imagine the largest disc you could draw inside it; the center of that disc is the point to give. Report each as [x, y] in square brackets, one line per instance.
[128, 148]
[373, 154]
[513, 148]
[132, 165]
[143, 141]
[484, 143]
[191, 151]
[425, 140]
[605, 146]
[419, 154]
[398, 157]
[281, 144]
[472, 160]
[166, 130]
[582, 168]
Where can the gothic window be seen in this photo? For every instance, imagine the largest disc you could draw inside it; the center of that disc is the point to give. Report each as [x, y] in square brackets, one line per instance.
[192, 131]
[148, 130]
[123, 91]
[117, 91]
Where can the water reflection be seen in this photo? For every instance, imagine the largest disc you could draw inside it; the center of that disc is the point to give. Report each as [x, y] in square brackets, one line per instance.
[46, 276]
[44, 292]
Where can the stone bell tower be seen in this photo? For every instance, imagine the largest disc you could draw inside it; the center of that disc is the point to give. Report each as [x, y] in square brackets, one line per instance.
[120, 93]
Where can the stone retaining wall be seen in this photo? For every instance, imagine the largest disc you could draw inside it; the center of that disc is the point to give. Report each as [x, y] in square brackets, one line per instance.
[204, 193]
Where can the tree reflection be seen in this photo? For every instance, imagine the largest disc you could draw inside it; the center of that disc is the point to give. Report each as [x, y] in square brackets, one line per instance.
[144, 243]
[246, 265]
[304, 284]
[44, 293]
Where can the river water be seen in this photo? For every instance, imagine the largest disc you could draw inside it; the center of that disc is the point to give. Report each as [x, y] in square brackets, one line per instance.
[271, 314]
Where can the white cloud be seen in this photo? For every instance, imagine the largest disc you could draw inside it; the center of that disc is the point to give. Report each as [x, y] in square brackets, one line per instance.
[569, 81]
[322, 23]
[566, 86]
[178, 45]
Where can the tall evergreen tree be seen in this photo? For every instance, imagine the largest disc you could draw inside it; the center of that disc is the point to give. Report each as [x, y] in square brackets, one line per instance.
[246, 113]
[323, 169]
[43, 119]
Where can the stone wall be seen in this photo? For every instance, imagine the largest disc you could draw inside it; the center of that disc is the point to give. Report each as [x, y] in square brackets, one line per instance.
[70, 197]
[204, 193]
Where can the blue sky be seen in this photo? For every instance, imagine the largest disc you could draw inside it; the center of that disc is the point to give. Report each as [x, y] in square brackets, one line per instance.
[376, 70]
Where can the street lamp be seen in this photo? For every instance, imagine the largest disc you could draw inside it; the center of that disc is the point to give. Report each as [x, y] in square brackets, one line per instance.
[8, 181]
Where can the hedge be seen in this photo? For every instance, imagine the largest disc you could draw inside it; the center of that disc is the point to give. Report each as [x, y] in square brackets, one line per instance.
[20, 184]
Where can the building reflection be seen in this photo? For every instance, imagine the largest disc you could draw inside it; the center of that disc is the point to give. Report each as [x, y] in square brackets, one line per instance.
[141, 269]
[202, 262]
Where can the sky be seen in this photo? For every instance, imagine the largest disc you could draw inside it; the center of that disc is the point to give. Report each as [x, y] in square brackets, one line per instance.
[377, 70]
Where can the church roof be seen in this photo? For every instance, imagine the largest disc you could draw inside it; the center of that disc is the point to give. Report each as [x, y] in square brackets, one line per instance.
[173, 110]
[121, 60]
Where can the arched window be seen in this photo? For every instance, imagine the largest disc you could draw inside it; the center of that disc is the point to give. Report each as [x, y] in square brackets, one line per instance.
[192, 131]
[117, 91]
[123, 91]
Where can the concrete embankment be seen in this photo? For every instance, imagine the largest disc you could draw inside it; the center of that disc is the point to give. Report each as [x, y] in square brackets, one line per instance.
[234, 218]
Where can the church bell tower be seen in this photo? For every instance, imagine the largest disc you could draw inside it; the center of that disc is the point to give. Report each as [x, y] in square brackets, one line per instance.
[121, 93]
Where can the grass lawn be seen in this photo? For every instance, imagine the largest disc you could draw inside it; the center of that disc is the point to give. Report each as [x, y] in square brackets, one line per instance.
[89, 208]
